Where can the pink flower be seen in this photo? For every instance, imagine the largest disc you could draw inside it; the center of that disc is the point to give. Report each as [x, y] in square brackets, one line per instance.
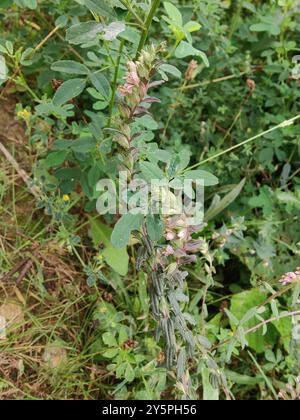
[170, 236]
[289, 278]
[168, 251]
[126, 89]
[132, 77]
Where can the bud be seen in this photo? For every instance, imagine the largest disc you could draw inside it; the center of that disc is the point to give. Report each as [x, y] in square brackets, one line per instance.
[192, 70]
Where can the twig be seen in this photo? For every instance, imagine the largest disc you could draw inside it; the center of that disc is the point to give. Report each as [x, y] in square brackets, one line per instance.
[218, 80]
[284, 124]
[22, 174]
[269, 321]
[50, 34]
[258, 326]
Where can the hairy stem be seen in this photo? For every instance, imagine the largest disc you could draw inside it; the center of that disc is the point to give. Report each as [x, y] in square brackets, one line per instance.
[115, 82]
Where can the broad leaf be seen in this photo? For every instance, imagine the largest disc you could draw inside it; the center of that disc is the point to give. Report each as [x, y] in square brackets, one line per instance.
[116, 258]
[208, 178]
[185, 49]
[85, 32]
[173, 13]
[68, 90]
[101, 84]
[98, 6]
[121, 234]
[151, 171]
[241, 305]
[3, 70]
[70, 67]
[219, 205]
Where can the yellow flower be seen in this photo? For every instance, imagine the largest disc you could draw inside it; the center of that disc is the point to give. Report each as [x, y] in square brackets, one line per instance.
[66, 198]
[24, 114]
[103, 310]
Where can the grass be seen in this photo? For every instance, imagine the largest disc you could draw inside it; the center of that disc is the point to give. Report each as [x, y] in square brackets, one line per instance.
[45, 354]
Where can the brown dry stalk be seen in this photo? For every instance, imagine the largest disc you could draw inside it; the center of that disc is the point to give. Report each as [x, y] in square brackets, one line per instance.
[21, 173]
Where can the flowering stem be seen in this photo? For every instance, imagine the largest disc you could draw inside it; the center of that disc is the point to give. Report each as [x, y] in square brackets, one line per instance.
[148, 22]
[115, 82]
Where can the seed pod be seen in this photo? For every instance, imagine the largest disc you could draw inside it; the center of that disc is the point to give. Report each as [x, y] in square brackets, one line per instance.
[169, 357]
[148, 245]
[157, 284]
[214, 380]
[140, 258]
[171, 332]
[181, 363]
[174, 303]
[155, 306]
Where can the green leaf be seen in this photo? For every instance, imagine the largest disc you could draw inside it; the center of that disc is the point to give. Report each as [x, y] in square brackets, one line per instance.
[99, 6]
[70, 67]
[102, 85]
[113, 30]
[56, 158]
[3, 70]
[111, 353]
[68, 90]
[151, 171]
[209, 392]
[208, 178]
[168, 68]
[220, 205]
[109, 339]
[31, 4]
[285, 328]
[129, 373]
[148, 122]
[241, 305]
[173, 13]
[264, 200]
[154, 227]
[116, 258]
[185, 49]
[83, 145]
[192, 26]
[85, 32]
[271, 27]
[120, 237]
